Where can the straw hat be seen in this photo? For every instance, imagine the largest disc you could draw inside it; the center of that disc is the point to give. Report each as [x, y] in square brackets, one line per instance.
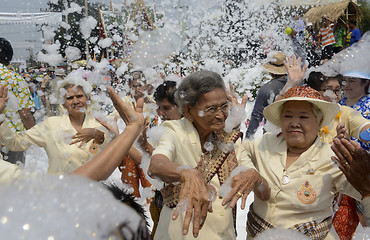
[329, 110]
[276, 64]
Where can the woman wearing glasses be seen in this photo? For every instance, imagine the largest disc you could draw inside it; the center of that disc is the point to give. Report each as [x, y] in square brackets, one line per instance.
[356, 89]
[348, 121]
[194, 157]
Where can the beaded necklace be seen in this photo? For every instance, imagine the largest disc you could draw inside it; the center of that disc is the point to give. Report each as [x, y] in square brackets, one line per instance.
[207, 166]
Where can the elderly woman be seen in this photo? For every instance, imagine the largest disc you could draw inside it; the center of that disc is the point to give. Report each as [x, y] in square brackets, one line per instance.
[69, 140]
[346, 122]
[101, 166]
[194, 157]
[297, 167]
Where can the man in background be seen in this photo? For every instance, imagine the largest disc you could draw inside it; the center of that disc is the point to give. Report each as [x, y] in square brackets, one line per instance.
[268, 92]
[326, 39]
[354, 34]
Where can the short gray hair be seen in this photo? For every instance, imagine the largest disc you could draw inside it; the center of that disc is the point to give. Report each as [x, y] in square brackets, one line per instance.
[195, 85]
[317, 111]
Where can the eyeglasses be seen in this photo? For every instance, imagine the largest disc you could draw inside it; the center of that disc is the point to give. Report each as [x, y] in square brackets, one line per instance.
[350, 81]
[212, 110]
[337, 92]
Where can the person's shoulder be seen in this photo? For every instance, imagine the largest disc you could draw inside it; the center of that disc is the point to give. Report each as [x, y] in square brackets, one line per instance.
[347, 112]
[366, 98]
[273, 82]
[174, 124]
[268, 139]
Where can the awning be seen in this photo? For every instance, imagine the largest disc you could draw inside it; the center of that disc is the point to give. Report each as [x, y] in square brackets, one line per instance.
[49, 18]
[309, 2]
[347, 10]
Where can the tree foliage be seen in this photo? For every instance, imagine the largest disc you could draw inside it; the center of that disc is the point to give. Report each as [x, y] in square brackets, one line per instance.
[68, 33]
[364, 26]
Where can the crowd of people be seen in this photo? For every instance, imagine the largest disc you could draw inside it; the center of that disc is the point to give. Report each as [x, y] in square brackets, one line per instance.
[201, 160]
[320, 42]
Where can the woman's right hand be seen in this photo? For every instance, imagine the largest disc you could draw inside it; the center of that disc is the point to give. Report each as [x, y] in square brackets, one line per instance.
[194, 199]
[132, 117]
[295, 71]
[3, 98]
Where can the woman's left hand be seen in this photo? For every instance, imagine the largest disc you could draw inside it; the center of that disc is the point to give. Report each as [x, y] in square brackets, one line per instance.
[86, 134]
[242, 184]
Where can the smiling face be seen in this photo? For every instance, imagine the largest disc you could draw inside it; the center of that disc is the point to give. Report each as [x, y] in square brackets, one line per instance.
[354, 87]
[299, 125]
[75, 100]
[210, 113]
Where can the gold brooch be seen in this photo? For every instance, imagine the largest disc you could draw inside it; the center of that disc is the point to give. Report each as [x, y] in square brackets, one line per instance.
[306, 194]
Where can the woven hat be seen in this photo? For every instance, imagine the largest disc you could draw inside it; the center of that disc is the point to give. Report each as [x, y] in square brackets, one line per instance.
[276, 63]
[329, 110]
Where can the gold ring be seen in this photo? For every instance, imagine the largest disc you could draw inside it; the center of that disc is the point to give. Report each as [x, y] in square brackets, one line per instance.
[239, 194]
[345, 164]
[291, 66]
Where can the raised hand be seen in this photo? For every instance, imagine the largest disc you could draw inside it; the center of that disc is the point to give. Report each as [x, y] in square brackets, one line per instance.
[354, 162]
[295, 71]
[130, 116]
[342, 131]
[232, 97]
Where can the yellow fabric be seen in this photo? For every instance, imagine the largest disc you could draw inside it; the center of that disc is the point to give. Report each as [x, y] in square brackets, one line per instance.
[54, 135]
[284, 208]
[181, 144]
[352, 119]
[9, 172]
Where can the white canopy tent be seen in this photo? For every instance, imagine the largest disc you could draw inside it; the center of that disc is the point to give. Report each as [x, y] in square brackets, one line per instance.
[49, 18]
[26, 37]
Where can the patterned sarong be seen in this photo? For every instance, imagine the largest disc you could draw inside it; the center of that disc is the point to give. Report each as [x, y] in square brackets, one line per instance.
[315, 230]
